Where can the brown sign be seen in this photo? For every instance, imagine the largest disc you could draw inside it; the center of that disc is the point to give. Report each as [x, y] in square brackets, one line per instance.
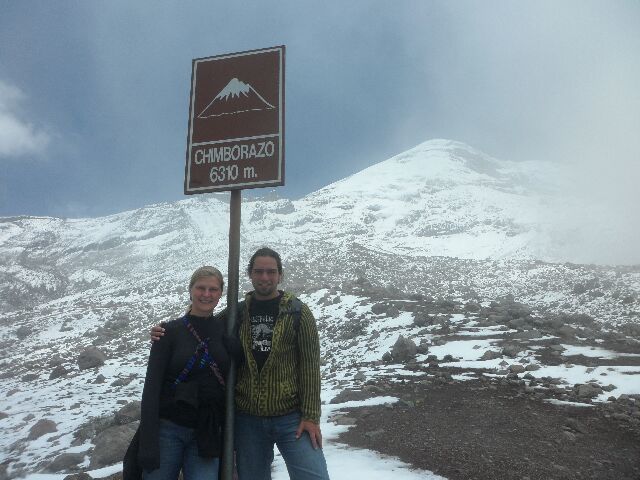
[236, 122]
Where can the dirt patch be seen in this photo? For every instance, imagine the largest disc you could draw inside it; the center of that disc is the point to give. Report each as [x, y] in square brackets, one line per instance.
[482, 430]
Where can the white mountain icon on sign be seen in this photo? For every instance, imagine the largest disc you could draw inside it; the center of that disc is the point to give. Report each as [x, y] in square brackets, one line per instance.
[236, 97]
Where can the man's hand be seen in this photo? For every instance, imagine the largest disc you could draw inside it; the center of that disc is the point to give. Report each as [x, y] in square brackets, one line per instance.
[314, 432]
[156, 333]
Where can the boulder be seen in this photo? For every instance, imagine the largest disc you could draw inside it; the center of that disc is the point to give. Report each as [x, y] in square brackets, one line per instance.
[129, 413]
[111, 445]
[588, 390]
[423, 347]
[42, 427]
[490, 355]
[516, 368]
[392, 311]
[360, 376]
[421, 319]
[78, 476]
[472, 307]
[91, 357]
[527, 334]
[378, 308]
[403, 350]
[121, 382]
[57, 372]
[567, 331]
[511, 349]
[65, 462]
[23, 332]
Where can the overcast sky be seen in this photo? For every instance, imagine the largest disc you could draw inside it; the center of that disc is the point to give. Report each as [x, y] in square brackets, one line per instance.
[94, 94]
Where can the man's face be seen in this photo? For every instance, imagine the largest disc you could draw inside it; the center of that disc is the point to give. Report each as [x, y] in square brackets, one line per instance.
[265, 278]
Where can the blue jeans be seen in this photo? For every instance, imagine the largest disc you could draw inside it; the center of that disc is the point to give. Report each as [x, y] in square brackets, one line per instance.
[178, 450]
[254, 440]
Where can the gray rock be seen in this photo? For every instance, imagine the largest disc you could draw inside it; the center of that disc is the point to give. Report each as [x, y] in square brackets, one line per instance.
[65, 462]
[23, 332]
[375, 434]
[344, 420]
[57, 372]
[511, 349]
[472, 307]
[3, 415]
[378, 308]
[490, 355]
[588, 390]
[423, 348]
[532, 367]
[91, 357]
[42, 427]
[387, 357]
[527, 334]
[516, 368]
[361, 377]
[393, 312]
[111, 445]
[121, 382]
[78, 476]
[422, 319]
[129, 413]
[403, 350]
[517, 323]
[575, 425]
[566, 331]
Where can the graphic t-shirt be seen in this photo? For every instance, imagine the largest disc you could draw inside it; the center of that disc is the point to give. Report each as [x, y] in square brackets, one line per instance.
[262, 316]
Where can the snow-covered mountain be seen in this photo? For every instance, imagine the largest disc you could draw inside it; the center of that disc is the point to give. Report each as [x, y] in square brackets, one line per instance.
[440, 221]
[235, 97]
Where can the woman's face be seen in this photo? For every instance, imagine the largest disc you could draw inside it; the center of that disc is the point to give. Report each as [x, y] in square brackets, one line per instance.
[205, 294]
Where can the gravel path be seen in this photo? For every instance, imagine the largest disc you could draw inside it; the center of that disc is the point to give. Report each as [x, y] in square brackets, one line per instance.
[480, 429]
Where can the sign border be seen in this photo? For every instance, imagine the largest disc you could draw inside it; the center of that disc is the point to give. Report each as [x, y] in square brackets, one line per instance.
[279, 181]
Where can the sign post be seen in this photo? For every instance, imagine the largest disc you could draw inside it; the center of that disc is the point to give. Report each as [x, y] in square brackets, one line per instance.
[235, 141]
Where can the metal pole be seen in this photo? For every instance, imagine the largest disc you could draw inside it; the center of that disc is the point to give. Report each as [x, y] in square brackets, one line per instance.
[232, 314]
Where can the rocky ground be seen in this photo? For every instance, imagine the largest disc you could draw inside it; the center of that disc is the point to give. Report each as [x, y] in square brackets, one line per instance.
[494, 429]
[498, 423]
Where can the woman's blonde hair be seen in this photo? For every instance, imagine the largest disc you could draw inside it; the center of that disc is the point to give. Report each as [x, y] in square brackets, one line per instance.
[206, 271]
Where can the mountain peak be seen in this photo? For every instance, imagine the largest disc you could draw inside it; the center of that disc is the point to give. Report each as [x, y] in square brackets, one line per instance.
[235, 98]
[234, 89]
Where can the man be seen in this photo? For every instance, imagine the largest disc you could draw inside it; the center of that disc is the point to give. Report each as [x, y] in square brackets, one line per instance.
[277, 394]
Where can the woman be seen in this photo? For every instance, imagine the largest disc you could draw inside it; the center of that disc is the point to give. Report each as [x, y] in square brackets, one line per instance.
[183, 396]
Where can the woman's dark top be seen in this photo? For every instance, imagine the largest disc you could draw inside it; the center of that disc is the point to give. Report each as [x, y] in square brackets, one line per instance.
[198, 401]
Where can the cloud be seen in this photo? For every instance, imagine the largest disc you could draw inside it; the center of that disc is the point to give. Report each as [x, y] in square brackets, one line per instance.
[18, 137]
